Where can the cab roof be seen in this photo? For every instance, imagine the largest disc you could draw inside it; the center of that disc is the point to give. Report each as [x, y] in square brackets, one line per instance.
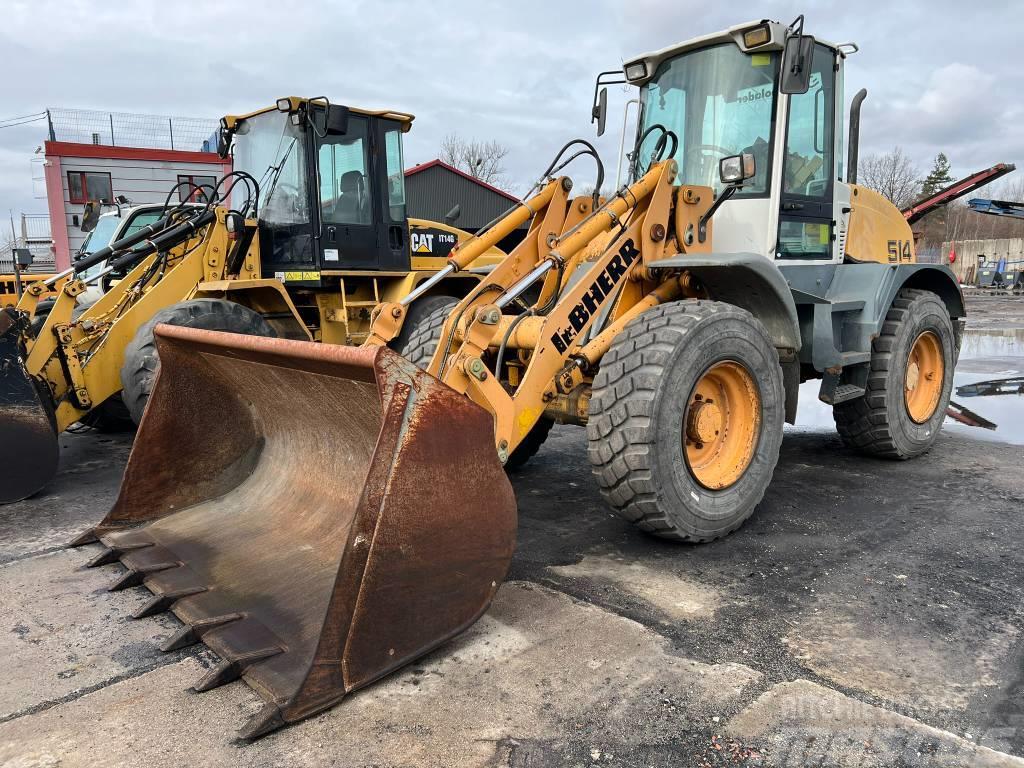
[295, 102]
[733, 34]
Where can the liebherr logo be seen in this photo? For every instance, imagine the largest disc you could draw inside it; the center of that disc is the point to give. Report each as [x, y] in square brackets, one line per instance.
[602, 286]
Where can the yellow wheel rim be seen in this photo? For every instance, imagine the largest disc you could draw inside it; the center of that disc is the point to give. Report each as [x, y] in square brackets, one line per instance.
[922, 387]
[721, 425]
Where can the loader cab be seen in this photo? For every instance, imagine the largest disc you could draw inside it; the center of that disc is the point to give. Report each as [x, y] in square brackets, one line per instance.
[332, 189]
[723, 95]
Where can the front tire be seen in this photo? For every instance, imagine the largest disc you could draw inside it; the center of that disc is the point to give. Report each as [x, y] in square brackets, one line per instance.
[141, 361]
[421, 331]
[902, 409]
[686, 419]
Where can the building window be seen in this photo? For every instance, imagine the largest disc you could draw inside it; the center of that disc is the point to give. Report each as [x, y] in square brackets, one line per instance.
[84, 186]
[195, 189]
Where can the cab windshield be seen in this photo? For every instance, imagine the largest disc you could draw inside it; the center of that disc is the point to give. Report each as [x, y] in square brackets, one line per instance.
[718, 101]
[101, 234]
[272, 150]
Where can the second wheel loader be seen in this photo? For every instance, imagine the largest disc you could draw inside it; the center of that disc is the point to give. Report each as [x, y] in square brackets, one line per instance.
[301, 241]
[350, 512]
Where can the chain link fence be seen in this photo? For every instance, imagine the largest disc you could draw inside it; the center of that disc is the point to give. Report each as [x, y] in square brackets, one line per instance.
[122, 129]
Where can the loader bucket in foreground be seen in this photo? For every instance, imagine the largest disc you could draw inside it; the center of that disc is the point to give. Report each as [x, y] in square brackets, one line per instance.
[28, 434]
[317, 515]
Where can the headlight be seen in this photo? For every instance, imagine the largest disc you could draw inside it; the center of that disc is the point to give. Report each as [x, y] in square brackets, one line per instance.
[756, 36]
[636, 70]
[736, 168]
[284, 105]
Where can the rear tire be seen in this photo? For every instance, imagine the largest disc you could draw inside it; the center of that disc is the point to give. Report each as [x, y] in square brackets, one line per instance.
[421, 331]
[532, 443]
[643, 413]
[879, 423]
[110, 416]
[141, 361]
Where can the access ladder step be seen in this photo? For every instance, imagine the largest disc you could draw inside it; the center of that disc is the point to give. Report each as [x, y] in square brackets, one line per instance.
[846, 392]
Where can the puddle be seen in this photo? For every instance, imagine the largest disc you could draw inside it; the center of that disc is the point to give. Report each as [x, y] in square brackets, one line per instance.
[985, 354]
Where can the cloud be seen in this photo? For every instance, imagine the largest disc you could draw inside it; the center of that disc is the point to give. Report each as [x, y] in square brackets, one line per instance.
[520, 74]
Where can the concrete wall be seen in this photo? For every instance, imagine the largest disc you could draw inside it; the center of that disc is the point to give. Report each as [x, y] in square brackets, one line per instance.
[143, 176]
[968, 251]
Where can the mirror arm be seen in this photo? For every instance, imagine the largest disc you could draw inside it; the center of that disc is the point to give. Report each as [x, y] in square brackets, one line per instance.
[702, 223]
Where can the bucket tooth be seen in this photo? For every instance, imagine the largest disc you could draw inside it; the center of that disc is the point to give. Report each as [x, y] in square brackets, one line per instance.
[193, 633]
[112, 555]
[268, 719]
[163, 601]
[230, 670]
[88, 536]
[134, 577]
[106, 557]
[348, 510]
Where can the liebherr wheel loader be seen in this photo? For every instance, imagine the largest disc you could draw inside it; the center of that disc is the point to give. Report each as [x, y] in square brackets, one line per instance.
[350, 512]
[302, 240]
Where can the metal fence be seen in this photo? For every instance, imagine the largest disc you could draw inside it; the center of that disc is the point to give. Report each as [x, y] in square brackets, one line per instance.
[122, 129]
[34, 234]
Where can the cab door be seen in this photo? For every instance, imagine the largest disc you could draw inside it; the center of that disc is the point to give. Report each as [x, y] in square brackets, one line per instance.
[393, 225]
[807, 216]
[348, 200]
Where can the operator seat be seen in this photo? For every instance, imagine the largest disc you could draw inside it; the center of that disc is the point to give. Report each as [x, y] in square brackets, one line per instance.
[352, 204]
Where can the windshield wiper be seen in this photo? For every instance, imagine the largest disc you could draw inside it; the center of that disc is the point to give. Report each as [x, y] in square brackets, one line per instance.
[276, 170]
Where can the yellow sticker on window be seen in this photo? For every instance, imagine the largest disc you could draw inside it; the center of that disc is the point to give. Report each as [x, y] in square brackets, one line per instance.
[760, 60]
[823, 232]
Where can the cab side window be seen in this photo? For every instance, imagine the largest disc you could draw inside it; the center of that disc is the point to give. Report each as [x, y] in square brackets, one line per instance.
[395, 174]
[808, 162]
[345, 191]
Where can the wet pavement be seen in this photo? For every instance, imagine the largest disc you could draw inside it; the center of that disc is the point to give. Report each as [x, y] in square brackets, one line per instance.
[870, 613]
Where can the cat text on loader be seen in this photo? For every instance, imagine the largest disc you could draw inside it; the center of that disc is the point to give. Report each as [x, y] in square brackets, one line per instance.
[351, 512]
[302, 240]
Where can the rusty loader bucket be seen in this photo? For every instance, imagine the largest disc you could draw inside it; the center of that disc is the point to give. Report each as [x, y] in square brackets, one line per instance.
[317, 515]
[28, 433]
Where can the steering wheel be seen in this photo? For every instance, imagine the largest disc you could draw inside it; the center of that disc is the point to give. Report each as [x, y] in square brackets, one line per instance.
[286, 197]
[714, 148]
[700, 165]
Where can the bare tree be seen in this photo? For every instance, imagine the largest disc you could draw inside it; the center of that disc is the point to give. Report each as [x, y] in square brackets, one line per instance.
[480, 159]
[893, 175]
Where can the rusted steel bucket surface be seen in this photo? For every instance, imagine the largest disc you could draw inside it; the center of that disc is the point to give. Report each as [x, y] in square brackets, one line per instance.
[317, 515]
[28, 436]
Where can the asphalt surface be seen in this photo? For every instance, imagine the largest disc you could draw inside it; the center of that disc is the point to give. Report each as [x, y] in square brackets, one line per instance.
[869, 613]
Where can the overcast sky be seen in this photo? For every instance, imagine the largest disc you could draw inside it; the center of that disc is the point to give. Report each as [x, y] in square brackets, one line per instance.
[941, 74]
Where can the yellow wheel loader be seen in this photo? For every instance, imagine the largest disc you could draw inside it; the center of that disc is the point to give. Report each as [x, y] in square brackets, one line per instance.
[301, 241]
[347, 512]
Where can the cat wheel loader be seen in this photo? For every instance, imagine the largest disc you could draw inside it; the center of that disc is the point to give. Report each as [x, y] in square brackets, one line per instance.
[349, 510]
[301, 241]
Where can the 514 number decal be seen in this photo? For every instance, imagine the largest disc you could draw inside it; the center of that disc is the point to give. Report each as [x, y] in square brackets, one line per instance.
[899, 250]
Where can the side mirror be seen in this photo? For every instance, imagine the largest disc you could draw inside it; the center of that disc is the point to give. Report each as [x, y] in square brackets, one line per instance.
[796, 64]
[23, 257]
[599, 112]
[336, 120]
[223, 143]
[234, 223]
[736, 169]
[453, 214]
[90, 215]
